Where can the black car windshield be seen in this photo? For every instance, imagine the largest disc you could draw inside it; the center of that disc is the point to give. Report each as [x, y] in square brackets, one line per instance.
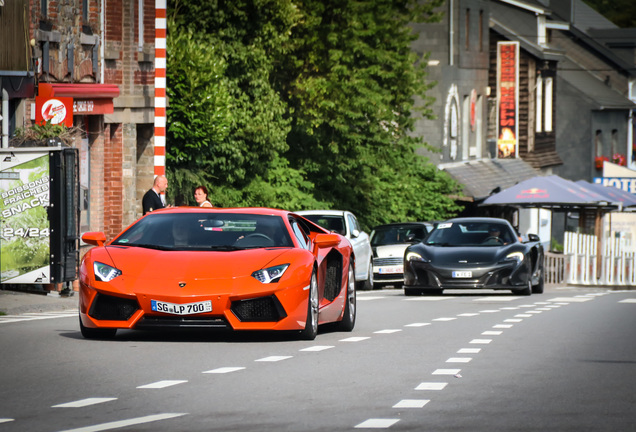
[334, 223]
[206, 231]
[397, 234]
[470, 234]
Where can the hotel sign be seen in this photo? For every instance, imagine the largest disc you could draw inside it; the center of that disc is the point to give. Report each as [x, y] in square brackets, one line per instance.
[507, 99]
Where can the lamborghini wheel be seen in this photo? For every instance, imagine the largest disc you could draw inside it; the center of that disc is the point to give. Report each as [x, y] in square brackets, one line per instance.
[311, 324]
[96, 333]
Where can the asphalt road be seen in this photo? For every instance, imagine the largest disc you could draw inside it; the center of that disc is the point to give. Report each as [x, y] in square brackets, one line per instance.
[561, 361]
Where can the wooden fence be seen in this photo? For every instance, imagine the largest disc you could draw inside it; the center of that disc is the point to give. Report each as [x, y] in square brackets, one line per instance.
[580, 263]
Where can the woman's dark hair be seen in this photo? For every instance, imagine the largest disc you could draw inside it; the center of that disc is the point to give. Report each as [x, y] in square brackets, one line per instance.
[203, 188]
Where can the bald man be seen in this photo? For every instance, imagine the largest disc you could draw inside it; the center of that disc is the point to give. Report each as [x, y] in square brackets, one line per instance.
[152, 198]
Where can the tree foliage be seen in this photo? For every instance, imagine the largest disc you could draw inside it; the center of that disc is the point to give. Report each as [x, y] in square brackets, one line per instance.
[302, 104]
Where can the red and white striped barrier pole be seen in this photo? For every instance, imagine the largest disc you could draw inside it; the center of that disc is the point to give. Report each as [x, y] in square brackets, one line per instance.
[161, 27]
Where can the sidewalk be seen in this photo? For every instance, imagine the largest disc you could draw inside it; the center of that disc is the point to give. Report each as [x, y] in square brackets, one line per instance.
[16, 302]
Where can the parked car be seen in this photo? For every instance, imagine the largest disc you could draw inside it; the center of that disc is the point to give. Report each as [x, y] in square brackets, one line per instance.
[346, 224]
[235, 269]
[388, 243]
[474, 253]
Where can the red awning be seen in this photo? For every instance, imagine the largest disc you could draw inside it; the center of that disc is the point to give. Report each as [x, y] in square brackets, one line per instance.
[79, 91]
[88, 99]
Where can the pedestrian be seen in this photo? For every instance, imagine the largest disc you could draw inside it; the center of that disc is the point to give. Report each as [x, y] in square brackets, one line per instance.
[201, 196]
[154, 198]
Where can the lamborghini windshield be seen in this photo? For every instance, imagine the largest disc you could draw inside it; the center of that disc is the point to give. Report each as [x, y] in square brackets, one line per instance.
[200, 231]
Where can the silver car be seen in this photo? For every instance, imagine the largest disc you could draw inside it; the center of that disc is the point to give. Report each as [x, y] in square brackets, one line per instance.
[345, 223]
[389, 243]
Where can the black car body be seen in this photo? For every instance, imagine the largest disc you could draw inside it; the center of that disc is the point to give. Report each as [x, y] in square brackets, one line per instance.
[460, 253]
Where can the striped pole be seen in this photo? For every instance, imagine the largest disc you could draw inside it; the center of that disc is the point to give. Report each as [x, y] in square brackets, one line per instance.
[160, 86]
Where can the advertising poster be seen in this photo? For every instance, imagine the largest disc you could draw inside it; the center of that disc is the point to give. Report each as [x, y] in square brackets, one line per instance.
[24, 225]
[507, 99]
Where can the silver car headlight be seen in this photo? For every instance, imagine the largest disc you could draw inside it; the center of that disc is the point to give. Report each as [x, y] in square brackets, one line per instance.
[515, 256]
[270, 274]
[104, 272]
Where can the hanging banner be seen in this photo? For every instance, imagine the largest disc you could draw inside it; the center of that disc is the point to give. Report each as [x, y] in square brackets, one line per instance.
[507, 99]
[24, 224]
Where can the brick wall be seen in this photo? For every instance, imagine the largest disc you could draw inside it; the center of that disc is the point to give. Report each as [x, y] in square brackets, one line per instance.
[113, 179]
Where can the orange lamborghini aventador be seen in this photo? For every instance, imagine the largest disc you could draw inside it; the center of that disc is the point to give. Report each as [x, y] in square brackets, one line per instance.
[230, 268]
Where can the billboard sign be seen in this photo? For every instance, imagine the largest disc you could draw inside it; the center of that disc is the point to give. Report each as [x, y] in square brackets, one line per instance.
[507, 100]
[24, 223]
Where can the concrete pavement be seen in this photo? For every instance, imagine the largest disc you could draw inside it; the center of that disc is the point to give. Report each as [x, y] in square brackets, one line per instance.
[18, 302]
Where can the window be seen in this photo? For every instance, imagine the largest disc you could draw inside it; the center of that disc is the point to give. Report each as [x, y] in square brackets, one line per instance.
[615, 142]
[544, 95]
[598, 143]
[548, 105]
[467, 29]
[481, 31]
[140, 26]
[300, 234]
[539, 97]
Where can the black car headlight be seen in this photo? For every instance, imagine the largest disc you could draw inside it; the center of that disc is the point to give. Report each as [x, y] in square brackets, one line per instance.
[270, 274]
[104, 272]
[414, 256]
[515, 256]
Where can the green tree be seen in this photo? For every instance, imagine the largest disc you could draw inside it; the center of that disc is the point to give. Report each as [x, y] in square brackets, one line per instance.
[352, 78]
[313, 105]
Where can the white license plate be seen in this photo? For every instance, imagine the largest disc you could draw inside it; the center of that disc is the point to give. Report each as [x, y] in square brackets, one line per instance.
[181, 309]
[462, 274]
[391, 270]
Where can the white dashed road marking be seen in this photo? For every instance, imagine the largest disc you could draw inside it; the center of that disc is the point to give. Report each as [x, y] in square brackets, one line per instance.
[84, 402]
[446, 371]
[503, 326]
[355, 339]
[513, 320]
[411, 403]
[317, 348]
[469, 351]
[362, 298]
[496, 299]
[480, 341]
[492, 333]
[429, 298]
[125, 423]
[417, 325]
[388, 331]
[223, 370]
[377, 423]
[273, 358]
[431, 386]
[444, 319]
[162, 384]
[629, 300]
[459, 360]
[6, 420]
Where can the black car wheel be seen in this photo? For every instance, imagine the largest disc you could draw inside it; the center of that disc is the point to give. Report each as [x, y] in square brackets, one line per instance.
[527, 290]
[538, 288]
[311, 325]
[349, 317]
[96, 333]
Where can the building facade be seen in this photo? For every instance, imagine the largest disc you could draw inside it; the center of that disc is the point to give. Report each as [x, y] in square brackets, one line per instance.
[101, 54]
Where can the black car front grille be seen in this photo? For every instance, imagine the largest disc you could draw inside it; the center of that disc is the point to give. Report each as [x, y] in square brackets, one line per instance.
[111, 308]
[152, 322]
[259, 309]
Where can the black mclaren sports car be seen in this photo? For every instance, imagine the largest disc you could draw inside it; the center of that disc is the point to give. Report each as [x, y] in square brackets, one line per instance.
[474, 253]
